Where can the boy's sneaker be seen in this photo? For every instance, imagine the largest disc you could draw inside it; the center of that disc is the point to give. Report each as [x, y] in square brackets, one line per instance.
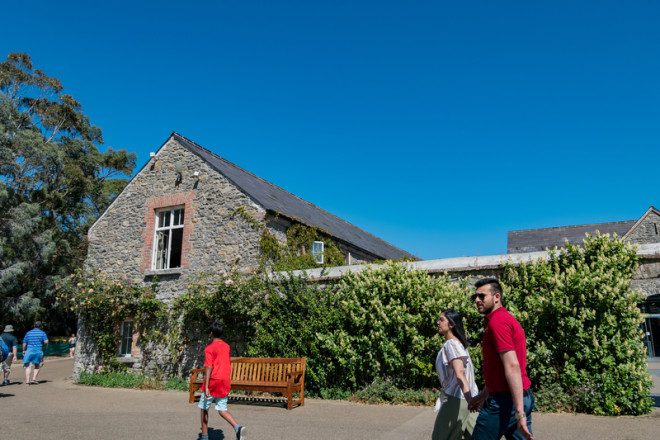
[240, 434]
[6, 382]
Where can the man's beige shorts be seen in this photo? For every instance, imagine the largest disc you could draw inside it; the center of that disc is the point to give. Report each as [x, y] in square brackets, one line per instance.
[6, 364]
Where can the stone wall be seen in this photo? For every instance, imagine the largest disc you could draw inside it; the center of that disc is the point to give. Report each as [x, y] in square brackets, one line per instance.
[647, 231]
[220, 239]
[217, 238]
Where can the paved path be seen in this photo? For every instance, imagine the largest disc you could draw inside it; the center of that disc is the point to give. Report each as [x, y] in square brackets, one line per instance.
[59, 409]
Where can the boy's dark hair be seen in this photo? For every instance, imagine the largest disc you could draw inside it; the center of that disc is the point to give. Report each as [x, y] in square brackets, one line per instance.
[495, 286]
[216, 329]
[37, 324]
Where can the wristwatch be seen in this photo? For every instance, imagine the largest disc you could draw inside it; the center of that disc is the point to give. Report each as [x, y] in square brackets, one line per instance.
[520, 415]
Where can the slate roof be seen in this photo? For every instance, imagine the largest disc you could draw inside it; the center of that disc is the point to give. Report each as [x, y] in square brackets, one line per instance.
[275, 199]
[534, 240]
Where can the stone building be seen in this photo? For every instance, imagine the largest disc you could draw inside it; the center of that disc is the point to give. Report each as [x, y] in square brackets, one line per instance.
[644, 230]
[189, 212]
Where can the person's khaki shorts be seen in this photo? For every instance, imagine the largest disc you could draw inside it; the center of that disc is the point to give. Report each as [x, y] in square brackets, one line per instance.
[6, 364]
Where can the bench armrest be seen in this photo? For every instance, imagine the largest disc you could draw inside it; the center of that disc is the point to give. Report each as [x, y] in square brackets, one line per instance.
[195, 372]
[293, 376]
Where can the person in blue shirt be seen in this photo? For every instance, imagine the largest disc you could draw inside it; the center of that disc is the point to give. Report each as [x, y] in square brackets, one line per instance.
[33, 354]
[12, 345]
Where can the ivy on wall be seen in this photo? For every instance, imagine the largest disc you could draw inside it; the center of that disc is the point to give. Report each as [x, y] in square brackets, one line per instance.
[102, 304]
[295, 252]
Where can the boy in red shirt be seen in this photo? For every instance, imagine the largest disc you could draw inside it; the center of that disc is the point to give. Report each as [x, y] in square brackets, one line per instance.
[217, 383]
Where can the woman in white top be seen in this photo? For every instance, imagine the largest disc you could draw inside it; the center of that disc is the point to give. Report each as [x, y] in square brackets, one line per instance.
[456, 374]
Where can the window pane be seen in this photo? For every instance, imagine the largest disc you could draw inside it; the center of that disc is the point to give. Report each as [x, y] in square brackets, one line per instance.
[164, 218]
[162, 238]
[177, 243]
[317, 251]
[178, 217]
[126, 337]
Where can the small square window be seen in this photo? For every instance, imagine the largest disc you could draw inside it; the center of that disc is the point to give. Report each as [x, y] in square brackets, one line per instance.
[317, 251]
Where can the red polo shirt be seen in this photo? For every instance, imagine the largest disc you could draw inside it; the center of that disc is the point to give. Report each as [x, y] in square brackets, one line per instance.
[216, 356]
[502, 333]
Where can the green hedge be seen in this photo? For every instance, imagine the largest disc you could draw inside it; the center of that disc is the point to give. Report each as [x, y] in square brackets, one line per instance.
[582, 322]
[579, 312]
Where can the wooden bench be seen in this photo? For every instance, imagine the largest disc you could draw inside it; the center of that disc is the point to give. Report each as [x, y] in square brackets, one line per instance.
[272, 375]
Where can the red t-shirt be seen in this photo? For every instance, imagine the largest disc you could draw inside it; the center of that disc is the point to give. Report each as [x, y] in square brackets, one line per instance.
[502, 333]
[216, 356]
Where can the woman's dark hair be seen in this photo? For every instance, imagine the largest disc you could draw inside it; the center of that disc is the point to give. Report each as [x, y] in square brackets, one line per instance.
[216, 329]
[456, 321]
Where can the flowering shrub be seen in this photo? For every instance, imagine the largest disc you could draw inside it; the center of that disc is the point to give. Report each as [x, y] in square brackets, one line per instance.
[379, 323]
[582, 322]
[387, 325]
[102, 304]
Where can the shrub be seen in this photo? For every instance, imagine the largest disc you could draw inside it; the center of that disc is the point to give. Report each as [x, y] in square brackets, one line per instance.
[383, 391]
[125, 379]
[112, 379]
[102, 304]
[582, 322]
[333, 394]
[387, 325]
[294, 315]
[231, 299]
[176, 384]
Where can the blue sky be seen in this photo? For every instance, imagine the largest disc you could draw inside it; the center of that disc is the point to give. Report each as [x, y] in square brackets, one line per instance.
[437, 126]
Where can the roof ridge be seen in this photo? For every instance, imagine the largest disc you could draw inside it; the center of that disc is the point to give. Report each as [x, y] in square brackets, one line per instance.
[572, 226]
[289, 192]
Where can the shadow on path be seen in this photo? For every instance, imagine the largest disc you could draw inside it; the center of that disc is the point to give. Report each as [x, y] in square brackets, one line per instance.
[216, 434]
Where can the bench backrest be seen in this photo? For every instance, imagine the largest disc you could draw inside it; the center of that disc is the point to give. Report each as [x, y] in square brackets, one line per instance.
[244, 369]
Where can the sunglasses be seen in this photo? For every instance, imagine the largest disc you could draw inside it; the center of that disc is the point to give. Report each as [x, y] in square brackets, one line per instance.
[481, 296]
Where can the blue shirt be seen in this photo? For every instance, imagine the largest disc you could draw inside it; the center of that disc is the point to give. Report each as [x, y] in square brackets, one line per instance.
[34, 339]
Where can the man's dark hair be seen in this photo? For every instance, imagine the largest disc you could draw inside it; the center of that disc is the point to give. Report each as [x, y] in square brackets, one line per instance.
[495, 286]
[37, 324]
[216, 329]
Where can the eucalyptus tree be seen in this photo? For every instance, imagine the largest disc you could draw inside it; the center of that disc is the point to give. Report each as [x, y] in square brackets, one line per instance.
[54, 182]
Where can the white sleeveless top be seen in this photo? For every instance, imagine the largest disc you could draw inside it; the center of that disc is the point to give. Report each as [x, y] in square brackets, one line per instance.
[451, 350]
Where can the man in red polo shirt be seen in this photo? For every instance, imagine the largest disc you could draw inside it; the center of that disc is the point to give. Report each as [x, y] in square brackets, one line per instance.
[506, 401]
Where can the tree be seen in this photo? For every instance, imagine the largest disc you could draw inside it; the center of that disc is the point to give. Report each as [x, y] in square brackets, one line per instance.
[54, 182]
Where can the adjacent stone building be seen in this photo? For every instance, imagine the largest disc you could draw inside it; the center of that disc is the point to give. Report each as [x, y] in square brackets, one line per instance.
[645, 230]
[189, 212]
